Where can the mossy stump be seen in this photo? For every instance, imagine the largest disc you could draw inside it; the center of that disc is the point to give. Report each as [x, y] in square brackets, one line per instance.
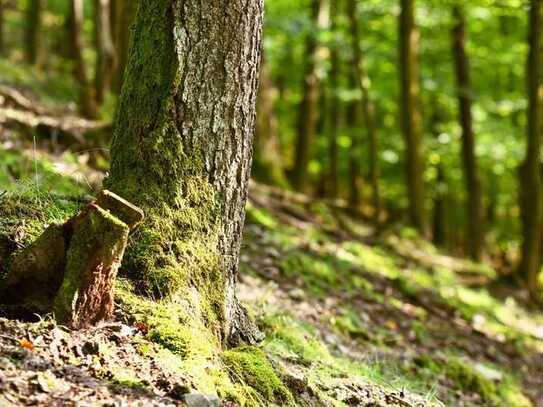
[70, 269]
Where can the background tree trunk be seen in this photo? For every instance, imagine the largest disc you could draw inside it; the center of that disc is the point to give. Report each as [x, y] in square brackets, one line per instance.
[530, 175]
[355, 156]
[308, 111]
[2, 40]
[475, 224]
[105, 50]
[86, 101]
[334, 102]
[182, 150]
[368, 108]
[268, 165]
[411, 119]
[125, 12]
[33, 34]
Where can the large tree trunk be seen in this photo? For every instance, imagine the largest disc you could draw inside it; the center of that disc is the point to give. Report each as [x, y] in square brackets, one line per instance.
[368, 108]
[86, 101]
[33, 34]
[105, 50]
[411, 116]
[334, 102]
[125, 11]
[474, 231]
[268, 164]
[308, 114]
[530, 174]
[182, 150]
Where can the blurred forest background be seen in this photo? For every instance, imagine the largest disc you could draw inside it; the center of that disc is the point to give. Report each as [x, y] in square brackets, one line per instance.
[396, 206]
[422, 118]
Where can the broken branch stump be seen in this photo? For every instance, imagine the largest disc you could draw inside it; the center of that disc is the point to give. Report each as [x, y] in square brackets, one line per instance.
[70, 269]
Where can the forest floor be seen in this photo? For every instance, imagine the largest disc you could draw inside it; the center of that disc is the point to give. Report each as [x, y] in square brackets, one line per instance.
[350, 317]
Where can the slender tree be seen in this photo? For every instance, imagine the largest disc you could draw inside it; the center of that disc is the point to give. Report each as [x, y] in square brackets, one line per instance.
[33, 34]
[105, 50]
[125, 11]
[86, 101]
[268, 163]
[308, 115]
[334, 101]
[531, 170]
[475, 211]
[182, 150]
[2, 44]
[439, 224]
[411, 118]
[368, 107]
[355, 156]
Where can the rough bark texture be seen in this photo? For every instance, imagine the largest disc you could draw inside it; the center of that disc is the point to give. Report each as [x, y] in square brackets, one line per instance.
[530, 173]
[334, 102]
[125, 11]
[308, 115]
[368, 108]
[182, 150]
[475, 225]
[33, 34]
[86, 101]
[268, 166]
[411, 119]
[105, 50]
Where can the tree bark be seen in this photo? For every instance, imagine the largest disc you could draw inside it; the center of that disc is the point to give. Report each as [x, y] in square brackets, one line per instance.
[105, 50]
[411, 119]
[33, 34]
[125, 11]
[475, 225]
[268, 166]
[368, 109]
[530, 174]
[86, 101]
[308, 114]
[182, 150]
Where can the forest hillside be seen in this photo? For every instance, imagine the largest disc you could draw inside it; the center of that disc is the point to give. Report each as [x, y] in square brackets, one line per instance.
[279, 203]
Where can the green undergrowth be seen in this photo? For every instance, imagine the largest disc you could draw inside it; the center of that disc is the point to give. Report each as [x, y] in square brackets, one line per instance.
[52, 87]
[296, 346]
[319, 265]
[23, 173]
[494, 386]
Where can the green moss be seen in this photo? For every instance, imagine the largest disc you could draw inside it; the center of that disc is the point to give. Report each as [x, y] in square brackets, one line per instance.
[249, 365]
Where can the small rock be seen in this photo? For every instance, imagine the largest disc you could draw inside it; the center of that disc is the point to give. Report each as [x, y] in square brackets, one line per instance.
[297, 294]
[201, 400]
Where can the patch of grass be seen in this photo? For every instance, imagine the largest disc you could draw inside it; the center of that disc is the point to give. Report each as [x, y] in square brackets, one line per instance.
[497, 387]
[250, 366]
